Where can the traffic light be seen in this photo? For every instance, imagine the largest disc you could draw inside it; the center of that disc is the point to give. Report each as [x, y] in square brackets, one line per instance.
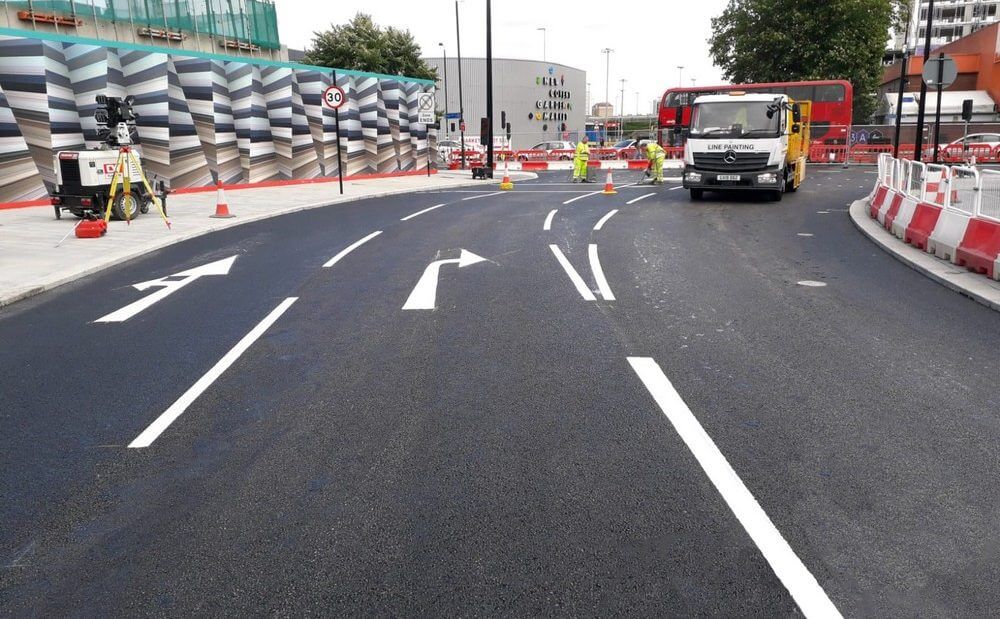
[484, 131]
[967, 110]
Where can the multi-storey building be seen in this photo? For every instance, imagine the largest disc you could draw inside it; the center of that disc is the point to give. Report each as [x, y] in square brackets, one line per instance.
[953, 19]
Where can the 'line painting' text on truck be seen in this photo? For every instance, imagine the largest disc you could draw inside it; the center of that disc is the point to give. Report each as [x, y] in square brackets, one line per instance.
[743, 141]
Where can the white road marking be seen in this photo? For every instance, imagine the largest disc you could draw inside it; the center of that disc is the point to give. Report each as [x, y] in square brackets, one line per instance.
[811, 283]
[350, 248]
[548, 220]
[176, 409]
[600, 223]
[424, 295]
[574, 277]
[408, 217]
[485, 195]
[592, 193]
[634, 200]
[595, 266]
[805, 234]
[167, 288]
[787, 566]
[676, 188]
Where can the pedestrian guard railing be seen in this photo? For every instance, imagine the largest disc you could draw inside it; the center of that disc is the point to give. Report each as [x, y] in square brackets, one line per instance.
[963, 189]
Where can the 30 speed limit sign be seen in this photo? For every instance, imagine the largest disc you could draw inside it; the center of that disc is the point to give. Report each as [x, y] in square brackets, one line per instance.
[334, 97]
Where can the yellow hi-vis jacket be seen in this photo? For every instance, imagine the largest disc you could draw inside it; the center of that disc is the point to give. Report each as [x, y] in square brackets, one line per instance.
[655, 151]
[583, 151]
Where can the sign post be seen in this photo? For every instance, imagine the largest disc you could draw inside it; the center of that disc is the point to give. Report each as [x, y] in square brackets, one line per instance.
[939, 72]
[425, 116]
[333, 97]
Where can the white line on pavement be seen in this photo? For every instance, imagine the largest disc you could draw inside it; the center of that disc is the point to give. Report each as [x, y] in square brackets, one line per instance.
[431, 208]
[676, 188]
[634, 200]
[786, 564]
[548, 220]
[599, 279]
[350, 248]
[485, 195]
[176, 409]
[592, 193]
[600, 223]
[574, 277]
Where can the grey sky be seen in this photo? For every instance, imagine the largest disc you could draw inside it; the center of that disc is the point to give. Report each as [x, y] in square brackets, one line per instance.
[650, 38]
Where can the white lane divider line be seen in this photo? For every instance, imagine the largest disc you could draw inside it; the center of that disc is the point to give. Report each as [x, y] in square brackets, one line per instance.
[600, 223]
[634, 200]
[580, 197]
[408, 217]
[787, 566]
[574, 277]
[676, 188]
[176, 409]
[485, 195]
[599, 279]
[350, 248]
[548, 220]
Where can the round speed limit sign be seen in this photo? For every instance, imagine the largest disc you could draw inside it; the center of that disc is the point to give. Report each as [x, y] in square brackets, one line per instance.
[334, 97]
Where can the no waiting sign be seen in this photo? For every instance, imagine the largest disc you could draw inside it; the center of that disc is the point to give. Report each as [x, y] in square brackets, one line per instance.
[425, 108]
[333, 97]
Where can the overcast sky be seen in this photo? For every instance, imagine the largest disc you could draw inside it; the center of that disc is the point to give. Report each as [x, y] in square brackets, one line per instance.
[649, 38]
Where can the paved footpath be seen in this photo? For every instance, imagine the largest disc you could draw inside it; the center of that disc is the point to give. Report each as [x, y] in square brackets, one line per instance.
[31, 262]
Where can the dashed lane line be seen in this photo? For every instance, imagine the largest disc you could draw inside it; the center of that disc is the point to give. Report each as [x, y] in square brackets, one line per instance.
[571, 200]
[428, 209]
[350, 248]
[548, 219]
[787, 566]
[574, 277]
[176, 409]
[634, 200]
[600, 223]
[485, 195]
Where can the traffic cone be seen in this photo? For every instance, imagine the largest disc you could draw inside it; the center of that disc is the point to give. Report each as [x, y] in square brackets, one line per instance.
[221, 207]
[506, 184]
[609, 186]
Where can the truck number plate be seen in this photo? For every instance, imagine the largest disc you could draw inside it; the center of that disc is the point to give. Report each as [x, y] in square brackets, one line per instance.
[728, 177]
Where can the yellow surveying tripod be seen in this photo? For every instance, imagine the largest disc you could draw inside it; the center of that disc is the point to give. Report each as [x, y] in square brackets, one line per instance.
[123, 178]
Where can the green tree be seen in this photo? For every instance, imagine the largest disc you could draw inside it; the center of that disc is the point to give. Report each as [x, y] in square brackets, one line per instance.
[790, 40]
[361, 45]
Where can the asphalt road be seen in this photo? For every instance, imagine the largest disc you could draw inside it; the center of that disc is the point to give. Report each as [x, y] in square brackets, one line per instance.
[505, 453]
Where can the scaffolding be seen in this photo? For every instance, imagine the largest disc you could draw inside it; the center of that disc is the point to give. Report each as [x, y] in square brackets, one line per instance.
[239, 23]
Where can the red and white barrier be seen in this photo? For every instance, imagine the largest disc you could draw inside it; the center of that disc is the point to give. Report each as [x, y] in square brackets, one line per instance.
[608, 164]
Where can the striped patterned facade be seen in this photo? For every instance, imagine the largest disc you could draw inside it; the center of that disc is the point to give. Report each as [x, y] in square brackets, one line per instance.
[200, 118]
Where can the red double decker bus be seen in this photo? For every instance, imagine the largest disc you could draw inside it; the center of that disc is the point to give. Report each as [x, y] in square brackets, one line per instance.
[831, 107]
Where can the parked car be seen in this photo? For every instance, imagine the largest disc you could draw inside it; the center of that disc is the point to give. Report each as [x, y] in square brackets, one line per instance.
[989, 139]
[549, 147]
[626, 149]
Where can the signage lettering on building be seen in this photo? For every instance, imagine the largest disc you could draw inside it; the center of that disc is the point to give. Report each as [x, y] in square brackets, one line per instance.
[551, 108]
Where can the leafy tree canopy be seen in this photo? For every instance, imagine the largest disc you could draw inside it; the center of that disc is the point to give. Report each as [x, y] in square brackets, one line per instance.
[362, 45]
[791, 40]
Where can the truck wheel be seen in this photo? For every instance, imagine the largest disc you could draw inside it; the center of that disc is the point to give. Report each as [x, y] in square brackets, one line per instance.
[697, 194]
[125, 203]
[790, 185]
[776, 195]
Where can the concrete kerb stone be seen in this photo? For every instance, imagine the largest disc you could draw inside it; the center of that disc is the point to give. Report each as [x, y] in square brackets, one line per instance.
[966, 283]
[21, 294]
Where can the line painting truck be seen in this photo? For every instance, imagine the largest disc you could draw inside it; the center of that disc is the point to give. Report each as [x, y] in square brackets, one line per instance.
[741, 141]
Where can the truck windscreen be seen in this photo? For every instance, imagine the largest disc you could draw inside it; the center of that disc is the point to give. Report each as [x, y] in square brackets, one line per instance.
[728, 119]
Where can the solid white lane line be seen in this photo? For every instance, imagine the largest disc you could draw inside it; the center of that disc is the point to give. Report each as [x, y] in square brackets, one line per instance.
[177, 408]
[574, 277]
[350, 248]
[786, 564]
[600, 223]
[548, 220]
[676, 188]
[485, 195]
[634, 200]
[599, 279]
[408, 217]
[571, 200]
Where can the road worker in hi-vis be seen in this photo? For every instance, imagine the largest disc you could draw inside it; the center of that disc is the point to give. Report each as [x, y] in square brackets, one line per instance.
[656, 156]
[581, 159]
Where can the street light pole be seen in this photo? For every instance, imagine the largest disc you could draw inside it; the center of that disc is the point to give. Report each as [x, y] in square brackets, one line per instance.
[461, 101]
[444, 61]
[607, 80]
[680, 73]
[902, 87]
[543, 43]
[621, 113]
[919, 146]
[489, 85]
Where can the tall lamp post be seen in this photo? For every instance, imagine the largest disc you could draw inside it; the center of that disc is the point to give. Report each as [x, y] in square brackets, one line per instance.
[607, 80]
[444, 61]
[461, 101]
[543, 43]
[621, 113]
[902, 86]
[918, 155]
[680, 74]
[489, 86]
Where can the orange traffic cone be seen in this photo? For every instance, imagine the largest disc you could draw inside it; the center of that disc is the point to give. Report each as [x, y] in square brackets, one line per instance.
[221, 207]
[609, 186]
[506, 184]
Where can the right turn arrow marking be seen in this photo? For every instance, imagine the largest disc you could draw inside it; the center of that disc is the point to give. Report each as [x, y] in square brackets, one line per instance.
[424, 293]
